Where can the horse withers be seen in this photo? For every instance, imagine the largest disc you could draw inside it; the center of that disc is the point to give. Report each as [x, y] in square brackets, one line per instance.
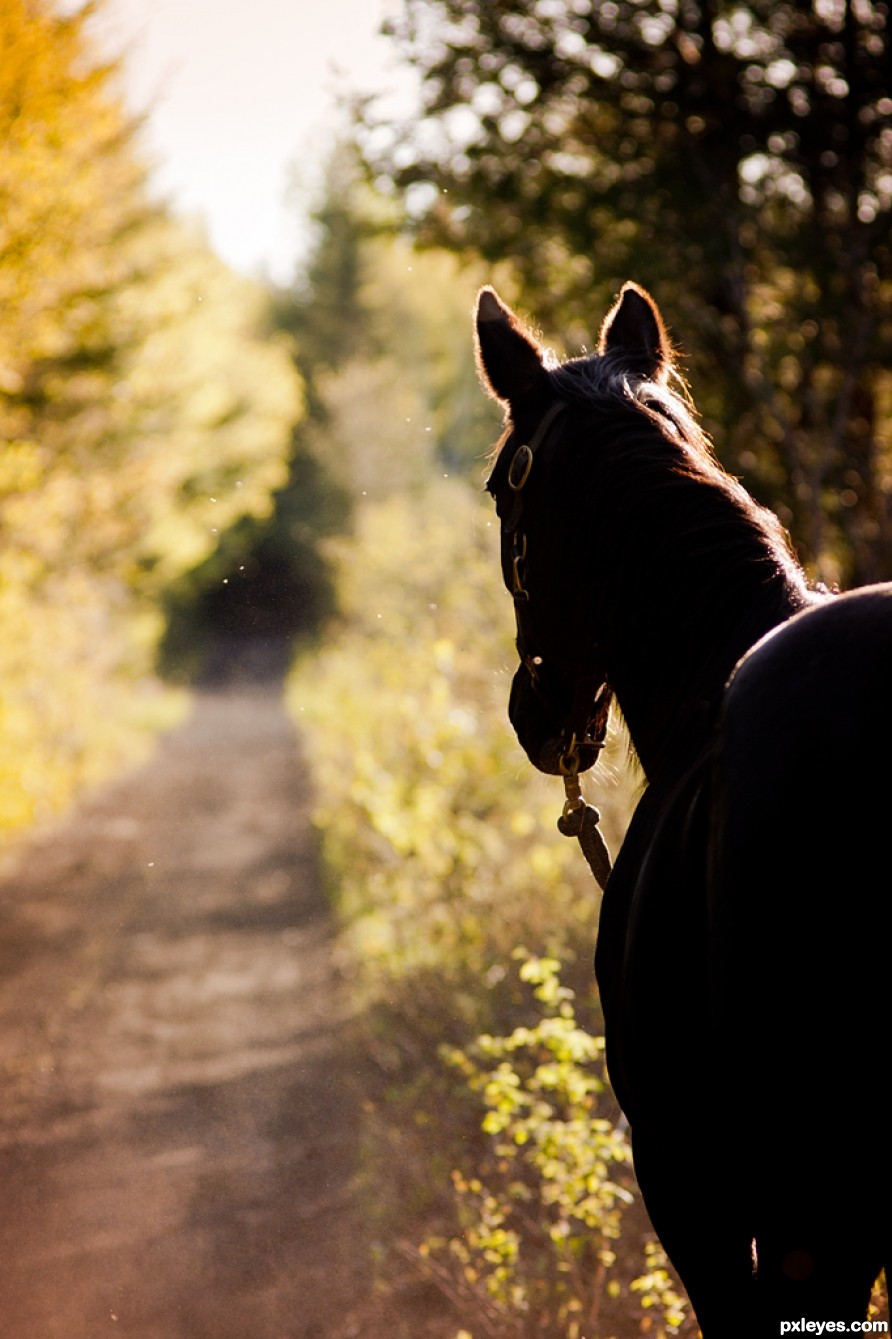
[743, 944]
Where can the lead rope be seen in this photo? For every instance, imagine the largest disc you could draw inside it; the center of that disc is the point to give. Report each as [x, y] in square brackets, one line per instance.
[580, 819]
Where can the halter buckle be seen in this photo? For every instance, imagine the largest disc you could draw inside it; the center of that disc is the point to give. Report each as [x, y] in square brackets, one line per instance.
[519, 469]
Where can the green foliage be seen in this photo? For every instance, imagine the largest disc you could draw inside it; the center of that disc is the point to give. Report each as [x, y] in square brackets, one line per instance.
[74, 699]
[144, 409]
[441, 847]
[324, 309]
[543, 1209]
[432, 822]
[439, 841]
[736, 158]
[382, 335]
[214, 397]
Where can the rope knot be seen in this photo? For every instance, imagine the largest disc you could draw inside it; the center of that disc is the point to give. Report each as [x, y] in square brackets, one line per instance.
[582, 822]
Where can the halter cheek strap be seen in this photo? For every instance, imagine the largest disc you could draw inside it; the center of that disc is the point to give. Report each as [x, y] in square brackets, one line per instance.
[518, 473]
[519, 469]
[578, 818]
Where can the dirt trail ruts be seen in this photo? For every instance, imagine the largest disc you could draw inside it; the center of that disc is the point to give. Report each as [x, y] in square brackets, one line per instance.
[178, 1124]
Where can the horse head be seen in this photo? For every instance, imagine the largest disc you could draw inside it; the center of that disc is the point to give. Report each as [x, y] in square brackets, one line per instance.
[560, 695]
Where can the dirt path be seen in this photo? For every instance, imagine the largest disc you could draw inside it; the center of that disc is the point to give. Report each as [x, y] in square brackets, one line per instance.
[177, 1124]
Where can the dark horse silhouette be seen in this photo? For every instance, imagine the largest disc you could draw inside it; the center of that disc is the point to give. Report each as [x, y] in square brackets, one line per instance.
[743, 947]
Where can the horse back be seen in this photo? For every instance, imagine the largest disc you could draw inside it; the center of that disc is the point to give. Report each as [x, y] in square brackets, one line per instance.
[798, 878]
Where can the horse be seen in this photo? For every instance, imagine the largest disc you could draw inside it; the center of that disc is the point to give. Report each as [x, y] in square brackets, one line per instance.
[743, 939]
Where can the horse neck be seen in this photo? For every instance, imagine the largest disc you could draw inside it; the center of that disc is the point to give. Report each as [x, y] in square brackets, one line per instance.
[679, 607]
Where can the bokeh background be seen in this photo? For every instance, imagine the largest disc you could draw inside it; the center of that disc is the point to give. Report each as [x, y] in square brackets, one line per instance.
[239, 248]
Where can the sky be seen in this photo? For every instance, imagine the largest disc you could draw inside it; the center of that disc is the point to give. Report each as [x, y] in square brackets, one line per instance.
[240, 98]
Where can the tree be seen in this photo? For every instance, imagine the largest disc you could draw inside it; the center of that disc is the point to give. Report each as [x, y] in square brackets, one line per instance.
[735, 157]
[144, 401]
[380, 340]
[145, 407]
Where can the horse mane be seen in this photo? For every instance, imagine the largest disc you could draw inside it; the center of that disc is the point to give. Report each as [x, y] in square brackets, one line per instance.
[687, 529]
[678, 455]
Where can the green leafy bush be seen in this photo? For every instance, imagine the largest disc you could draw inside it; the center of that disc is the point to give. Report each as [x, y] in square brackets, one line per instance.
[439, 836]
[441, 849]
[544, 1209]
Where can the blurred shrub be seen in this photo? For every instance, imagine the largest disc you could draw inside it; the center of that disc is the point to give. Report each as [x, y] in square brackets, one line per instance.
[440, 835]
[441, 848]
[543, 1214]
[74, 699]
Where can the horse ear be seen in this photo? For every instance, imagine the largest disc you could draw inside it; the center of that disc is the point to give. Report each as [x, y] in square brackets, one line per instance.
[508, 358]
[633, 329]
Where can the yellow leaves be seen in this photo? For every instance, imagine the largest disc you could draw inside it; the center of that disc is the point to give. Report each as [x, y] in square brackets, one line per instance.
[127, 349]
[546, 861]
[522, 823]
[214, 403]
[656, 1290]
[438, 815]
[540, 1220]
[65, 183]
[69, 711]
[22, 465]
[143, 410]
[440, 845]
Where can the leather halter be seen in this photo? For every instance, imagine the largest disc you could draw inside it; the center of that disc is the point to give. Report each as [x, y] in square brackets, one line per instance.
[586, 722]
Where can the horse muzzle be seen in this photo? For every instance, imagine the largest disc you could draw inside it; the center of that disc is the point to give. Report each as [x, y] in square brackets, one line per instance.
[537, 724]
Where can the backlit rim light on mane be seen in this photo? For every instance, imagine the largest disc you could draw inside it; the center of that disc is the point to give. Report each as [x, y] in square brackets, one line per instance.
[744, 936]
